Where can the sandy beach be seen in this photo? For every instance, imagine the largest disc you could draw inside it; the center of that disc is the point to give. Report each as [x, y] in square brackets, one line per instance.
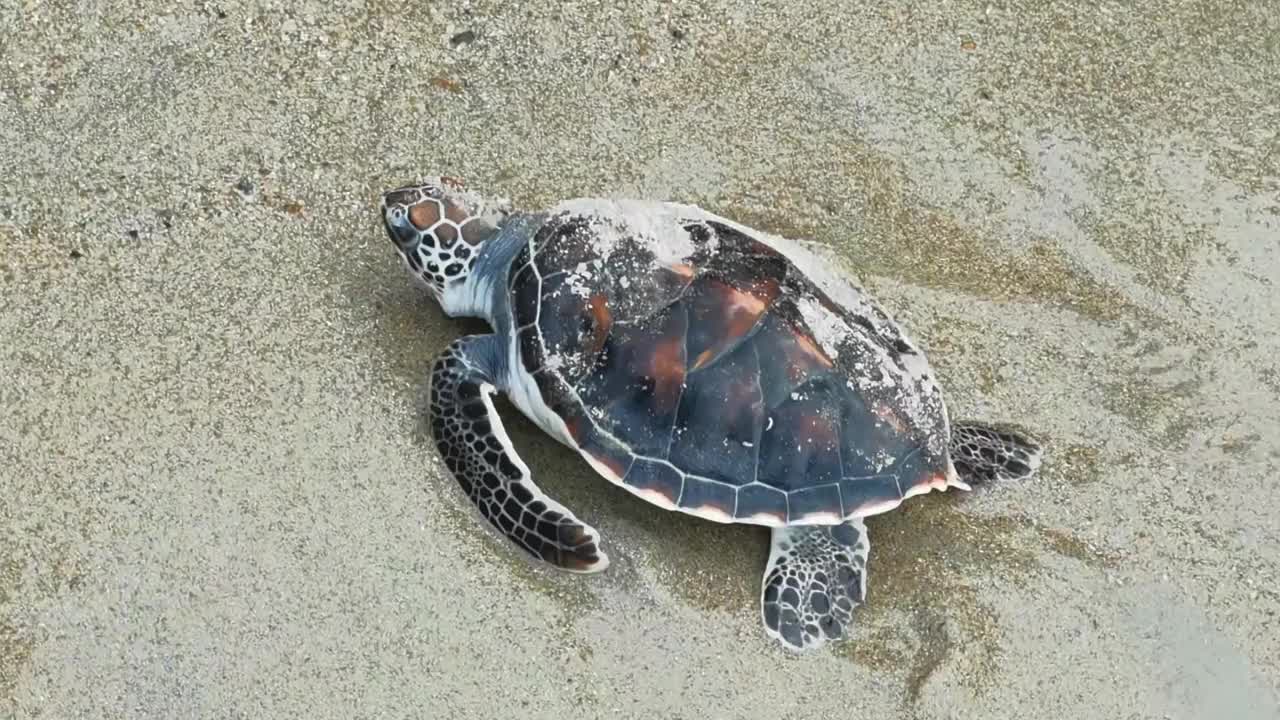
[217, 495]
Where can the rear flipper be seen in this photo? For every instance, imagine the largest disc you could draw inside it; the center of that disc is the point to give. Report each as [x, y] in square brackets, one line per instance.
[815, 578]
[982, 453]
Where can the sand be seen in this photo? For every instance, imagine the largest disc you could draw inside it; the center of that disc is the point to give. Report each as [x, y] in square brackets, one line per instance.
[217, 498]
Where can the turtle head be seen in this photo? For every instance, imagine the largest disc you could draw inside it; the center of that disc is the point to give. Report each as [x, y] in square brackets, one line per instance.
[439, 229]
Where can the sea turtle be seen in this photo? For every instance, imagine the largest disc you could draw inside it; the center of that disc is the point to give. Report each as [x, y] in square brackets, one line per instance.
[702, 365]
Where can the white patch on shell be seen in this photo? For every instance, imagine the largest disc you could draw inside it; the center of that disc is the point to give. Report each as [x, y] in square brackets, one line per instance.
[883, 460]
[577, 281]
[827, 327]
[555, 362]
[655, 225]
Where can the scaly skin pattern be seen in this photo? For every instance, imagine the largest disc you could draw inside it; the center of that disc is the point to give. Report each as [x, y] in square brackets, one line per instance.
[815, 578]
[478, 453]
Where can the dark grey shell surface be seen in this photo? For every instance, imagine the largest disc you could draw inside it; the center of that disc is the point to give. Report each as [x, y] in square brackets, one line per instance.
[694, 363]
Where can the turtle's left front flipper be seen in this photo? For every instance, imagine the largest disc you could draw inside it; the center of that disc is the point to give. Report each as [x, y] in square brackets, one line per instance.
[475, 447]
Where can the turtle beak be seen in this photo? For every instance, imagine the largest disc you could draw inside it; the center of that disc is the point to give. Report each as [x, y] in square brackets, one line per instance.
[395, 216]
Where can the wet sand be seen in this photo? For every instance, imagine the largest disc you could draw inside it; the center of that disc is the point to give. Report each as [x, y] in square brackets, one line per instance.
[216, 494]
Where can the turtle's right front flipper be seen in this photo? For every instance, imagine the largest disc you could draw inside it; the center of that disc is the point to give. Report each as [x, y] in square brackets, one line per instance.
[477, 451]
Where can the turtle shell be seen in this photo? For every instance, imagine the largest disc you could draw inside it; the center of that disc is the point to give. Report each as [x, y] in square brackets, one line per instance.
[695, 364]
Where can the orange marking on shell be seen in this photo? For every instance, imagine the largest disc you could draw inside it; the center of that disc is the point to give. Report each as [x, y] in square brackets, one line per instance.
[657, 497]
[765, 289]
[742, 310]
[601, 321]
[424, 215]
[456, 183]
[741, 302]
[612, 464]
[666, 367]
[683, 270]
[574, 427]
[810, 348]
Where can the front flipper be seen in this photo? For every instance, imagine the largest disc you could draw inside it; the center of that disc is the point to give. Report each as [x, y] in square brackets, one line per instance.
[982, 453]
[475, 447]
[817, 575]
